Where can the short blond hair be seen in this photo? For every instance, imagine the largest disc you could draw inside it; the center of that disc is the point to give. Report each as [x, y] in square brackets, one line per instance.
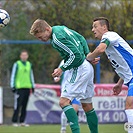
[38, 26]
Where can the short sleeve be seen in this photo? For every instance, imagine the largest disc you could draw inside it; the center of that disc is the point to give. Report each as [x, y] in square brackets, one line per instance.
[106, 41]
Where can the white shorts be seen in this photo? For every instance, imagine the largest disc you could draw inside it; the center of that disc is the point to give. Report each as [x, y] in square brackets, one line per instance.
[79, 83]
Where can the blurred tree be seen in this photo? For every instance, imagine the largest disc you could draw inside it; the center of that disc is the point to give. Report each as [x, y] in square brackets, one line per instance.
[75, 14]
[120, 15]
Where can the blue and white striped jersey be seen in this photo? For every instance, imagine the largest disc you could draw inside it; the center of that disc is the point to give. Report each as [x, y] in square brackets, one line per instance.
[120, 55]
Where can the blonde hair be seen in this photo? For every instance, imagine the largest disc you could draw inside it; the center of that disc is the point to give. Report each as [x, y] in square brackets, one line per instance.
[38, 26]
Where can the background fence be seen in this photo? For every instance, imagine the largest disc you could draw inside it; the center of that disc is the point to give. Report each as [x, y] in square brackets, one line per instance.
[103, 70]
[36, 42]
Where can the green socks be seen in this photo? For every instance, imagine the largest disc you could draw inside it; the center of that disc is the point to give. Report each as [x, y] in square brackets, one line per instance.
[72, 118]
[92, 121]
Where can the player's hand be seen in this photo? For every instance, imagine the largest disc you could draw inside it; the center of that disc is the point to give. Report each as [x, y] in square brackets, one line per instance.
[57, 72]
[13, 89]
[33, 90]
[117, 89]
[95, 61]
[56, 79]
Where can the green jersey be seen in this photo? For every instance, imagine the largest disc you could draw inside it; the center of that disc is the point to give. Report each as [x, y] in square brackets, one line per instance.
[71, 45]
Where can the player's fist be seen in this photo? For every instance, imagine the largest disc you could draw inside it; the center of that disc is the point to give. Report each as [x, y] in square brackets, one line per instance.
[57, 72]
[117, 89]
[95, 61]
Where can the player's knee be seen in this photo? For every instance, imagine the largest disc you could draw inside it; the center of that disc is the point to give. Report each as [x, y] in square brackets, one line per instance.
[87, 106]
[129, 103]
[129, 106]
[61, 103]
[64, 102]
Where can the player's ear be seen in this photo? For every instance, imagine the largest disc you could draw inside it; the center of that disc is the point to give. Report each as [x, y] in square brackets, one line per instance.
[47, 28]
[105, 27]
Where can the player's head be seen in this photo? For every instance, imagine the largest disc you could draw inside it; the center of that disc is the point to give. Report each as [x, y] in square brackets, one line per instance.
[41, 30]
[24, 55]
[100, 26]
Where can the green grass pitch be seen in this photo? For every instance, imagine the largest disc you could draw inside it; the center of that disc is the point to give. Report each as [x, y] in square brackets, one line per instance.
[103, 128]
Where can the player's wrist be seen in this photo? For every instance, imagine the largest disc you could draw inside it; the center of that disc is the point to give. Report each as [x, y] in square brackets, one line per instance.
[62, 68]
[88, 57]
[120, 82]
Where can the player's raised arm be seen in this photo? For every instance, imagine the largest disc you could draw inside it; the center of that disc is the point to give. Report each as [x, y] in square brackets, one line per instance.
[97, 52]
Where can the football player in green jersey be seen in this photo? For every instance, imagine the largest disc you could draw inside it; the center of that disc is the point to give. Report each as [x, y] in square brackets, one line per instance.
[79, 84]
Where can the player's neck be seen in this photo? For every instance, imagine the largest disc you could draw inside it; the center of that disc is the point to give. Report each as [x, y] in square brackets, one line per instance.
[103, 33]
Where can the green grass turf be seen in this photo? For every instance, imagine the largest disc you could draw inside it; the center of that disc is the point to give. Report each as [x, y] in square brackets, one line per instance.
[103, 128]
